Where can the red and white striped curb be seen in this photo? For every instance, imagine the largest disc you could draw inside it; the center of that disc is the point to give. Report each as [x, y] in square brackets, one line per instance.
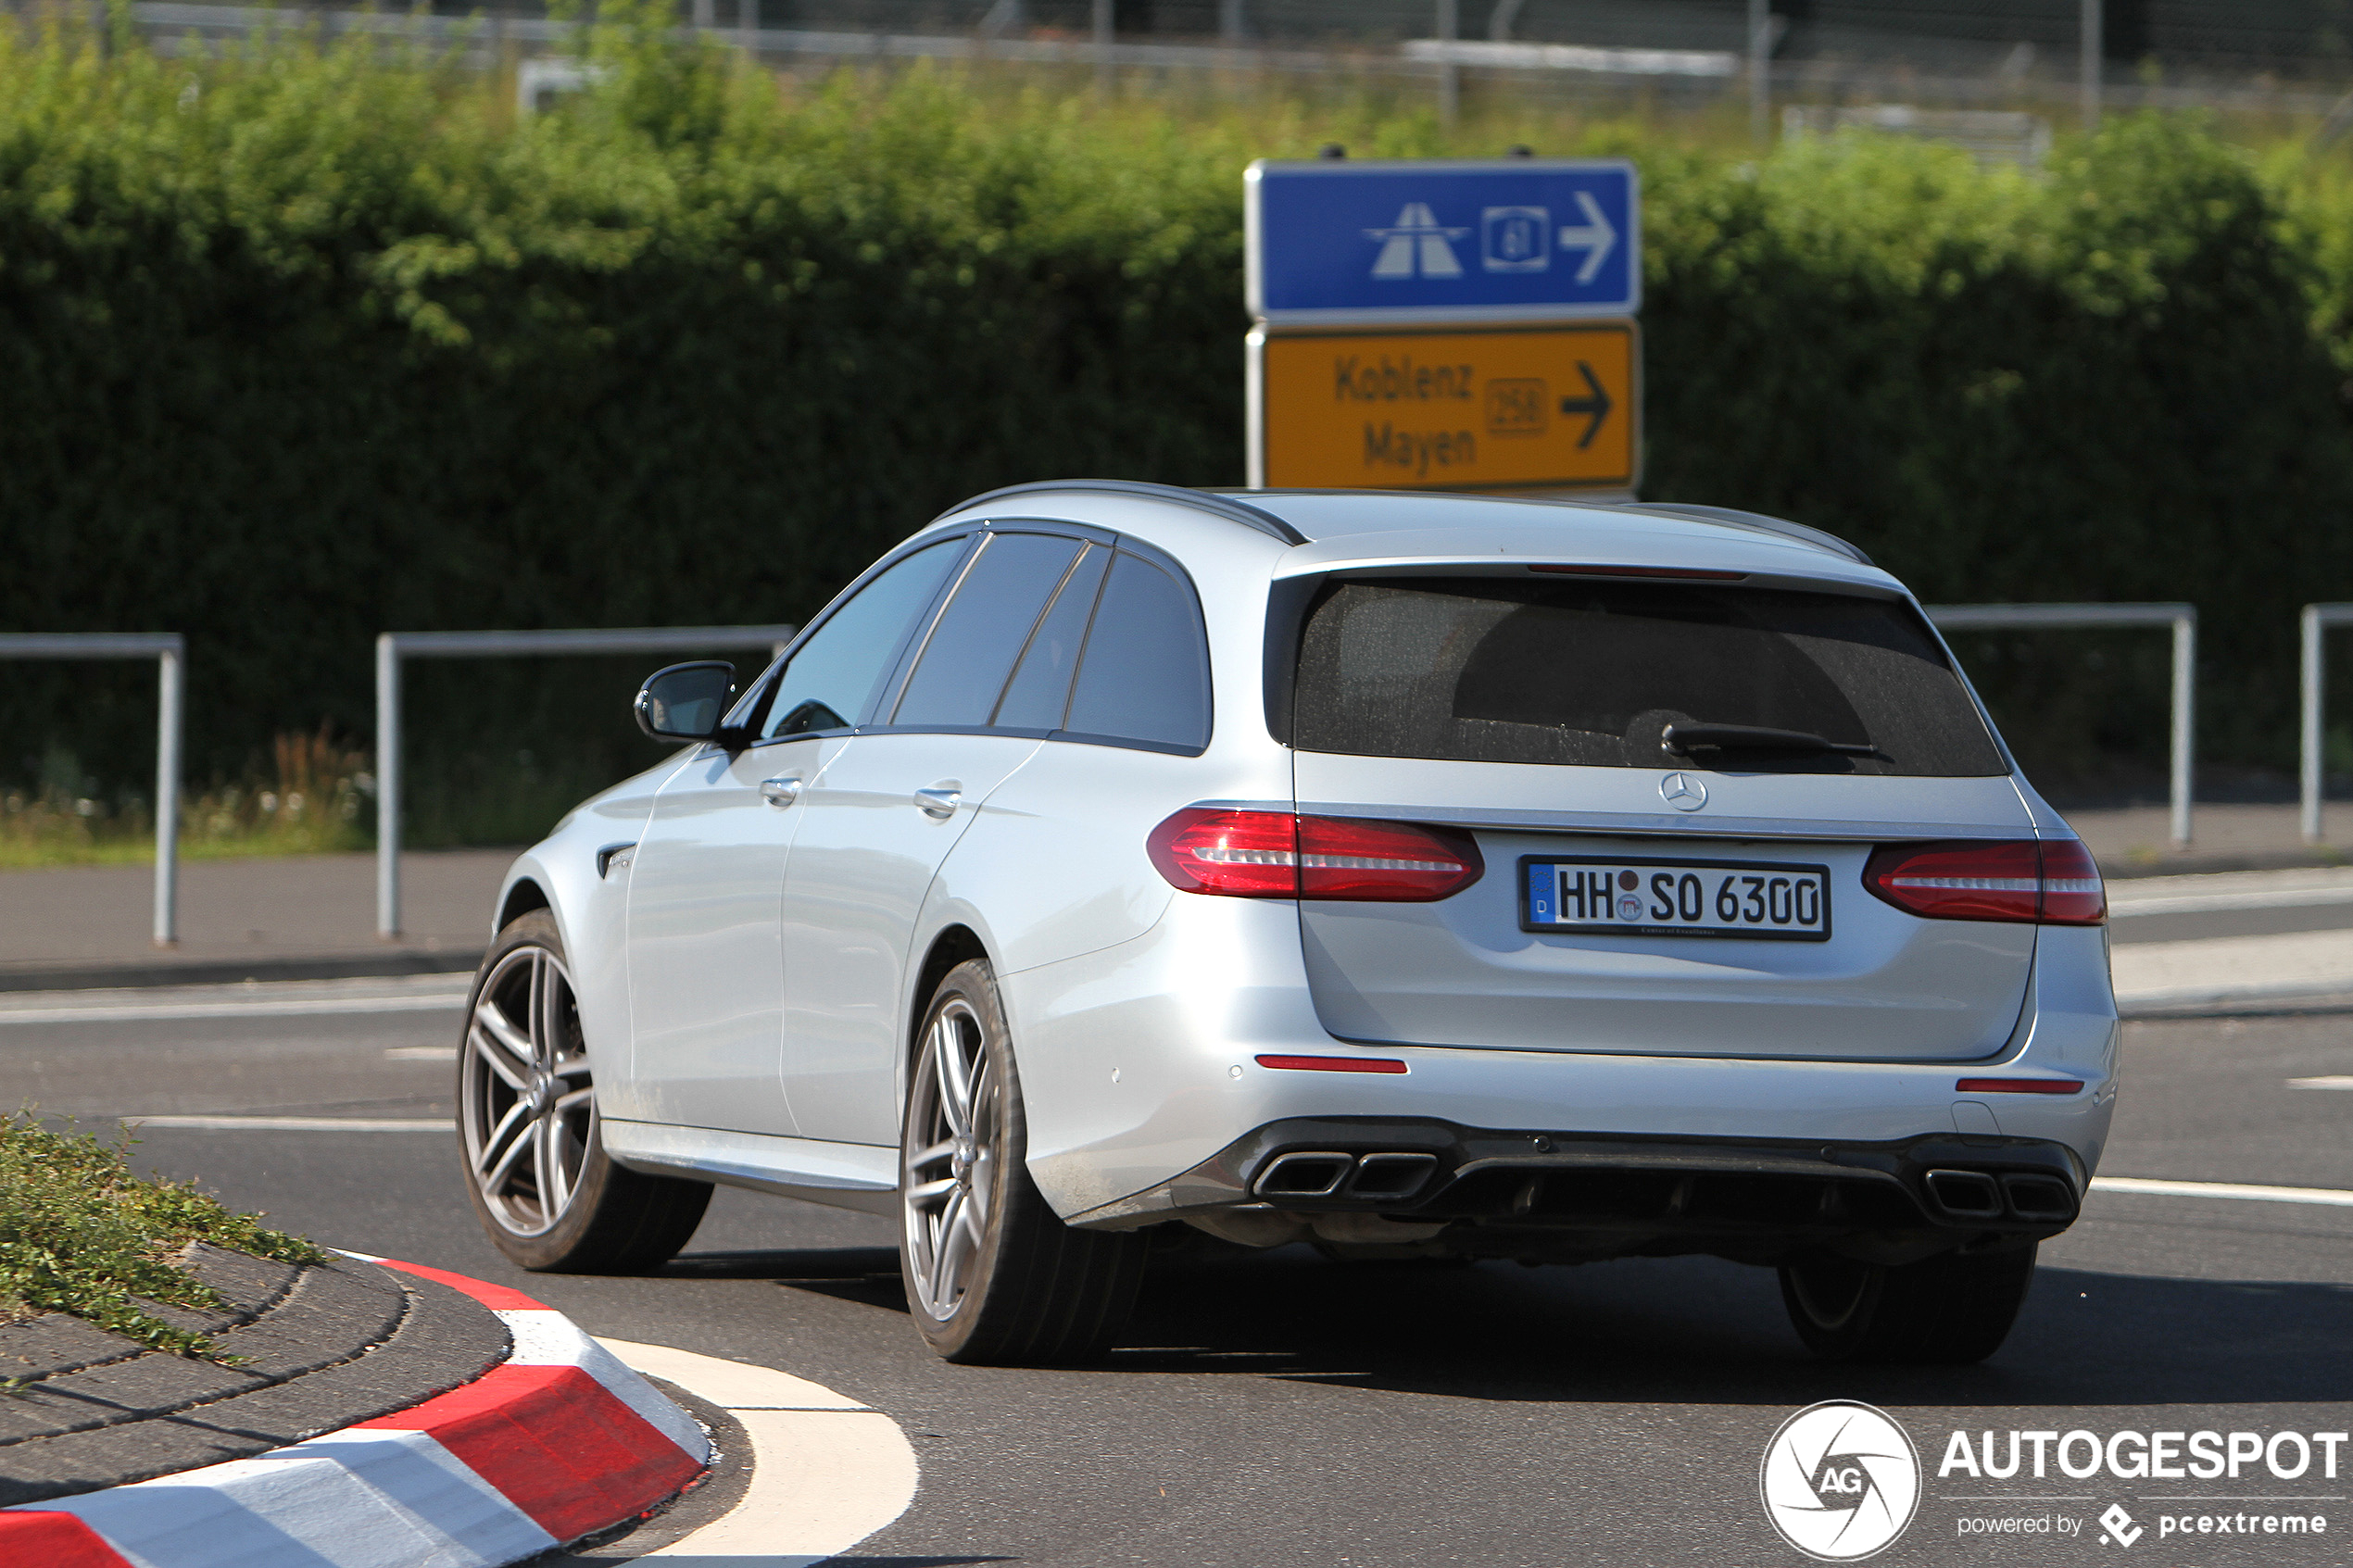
[556, 1442]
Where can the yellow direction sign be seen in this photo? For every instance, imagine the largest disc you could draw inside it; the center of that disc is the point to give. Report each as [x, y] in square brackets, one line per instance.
[1555, 406]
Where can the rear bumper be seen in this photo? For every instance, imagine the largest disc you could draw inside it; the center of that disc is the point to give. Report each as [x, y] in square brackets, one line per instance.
[1141, 1063]
[1565, 1195]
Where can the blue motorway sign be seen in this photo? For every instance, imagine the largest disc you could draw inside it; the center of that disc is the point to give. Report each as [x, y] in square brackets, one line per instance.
[1337, 241]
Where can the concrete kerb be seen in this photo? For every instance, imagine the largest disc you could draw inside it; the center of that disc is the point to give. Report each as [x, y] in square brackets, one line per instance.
[559, 1441]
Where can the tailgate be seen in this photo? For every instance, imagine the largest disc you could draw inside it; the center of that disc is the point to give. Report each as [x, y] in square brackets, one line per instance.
[1876, 983]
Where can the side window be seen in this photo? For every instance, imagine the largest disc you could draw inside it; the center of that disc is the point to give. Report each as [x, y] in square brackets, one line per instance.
[835, 676]
[1144, 675]
[1039, 691]
[977, 637]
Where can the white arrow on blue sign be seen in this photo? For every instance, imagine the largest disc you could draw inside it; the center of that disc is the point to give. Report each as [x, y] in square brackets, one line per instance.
[1340, 241]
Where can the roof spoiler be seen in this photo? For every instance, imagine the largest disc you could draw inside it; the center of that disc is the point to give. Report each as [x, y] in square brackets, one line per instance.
[1757, 521]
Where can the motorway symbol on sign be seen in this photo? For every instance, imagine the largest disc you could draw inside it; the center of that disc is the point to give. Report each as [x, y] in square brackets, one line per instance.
[1336, 242]
[1417, 247]
[1553, 406]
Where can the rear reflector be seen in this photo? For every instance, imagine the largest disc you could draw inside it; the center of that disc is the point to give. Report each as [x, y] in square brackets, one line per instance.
[2019, 1085]
[2046, 883]
[1683, 571]
[1276, 855]
[1331, 1064]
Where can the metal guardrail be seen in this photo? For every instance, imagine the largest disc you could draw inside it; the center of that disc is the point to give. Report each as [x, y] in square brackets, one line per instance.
[394, 646]
[2318, 619]
[2183, 618]
[169, 650]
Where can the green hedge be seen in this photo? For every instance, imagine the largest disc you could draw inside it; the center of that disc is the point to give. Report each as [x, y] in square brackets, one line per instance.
[298, 347]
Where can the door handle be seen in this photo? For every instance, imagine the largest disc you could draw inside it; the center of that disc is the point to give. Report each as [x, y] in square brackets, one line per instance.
[939, 801]
[781, 792]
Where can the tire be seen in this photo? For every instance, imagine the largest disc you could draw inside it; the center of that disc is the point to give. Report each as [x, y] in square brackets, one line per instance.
[993, 1276]
[537, 1172]
[1948, 1311]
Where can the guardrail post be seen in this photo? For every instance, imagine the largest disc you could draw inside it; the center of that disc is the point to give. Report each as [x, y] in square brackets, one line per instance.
[387, 786]
[2312, 740]
[1449, 71]
[170, 694]
[1760, 64]
[2184, 720]
[2092, 34]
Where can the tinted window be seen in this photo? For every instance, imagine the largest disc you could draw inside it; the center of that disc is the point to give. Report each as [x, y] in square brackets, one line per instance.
[1040, 688]
[1145, 672]
[1512, 670]
[835, 676]
[982, 631]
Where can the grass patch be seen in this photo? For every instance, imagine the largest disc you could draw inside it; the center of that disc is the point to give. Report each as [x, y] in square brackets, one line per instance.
[80, 1233]
[317, 798]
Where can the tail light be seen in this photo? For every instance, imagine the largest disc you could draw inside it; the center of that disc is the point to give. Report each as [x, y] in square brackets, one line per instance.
[1276, 855]
[2053, 882]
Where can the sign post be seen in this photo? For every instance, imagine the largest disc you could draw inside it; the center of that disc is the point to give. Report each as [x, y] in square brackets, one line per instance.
[1444, 325]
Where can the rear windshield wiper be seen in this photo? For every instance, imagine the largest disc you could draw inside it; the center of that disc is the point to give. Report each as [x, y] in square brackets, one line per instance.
[1688, 738]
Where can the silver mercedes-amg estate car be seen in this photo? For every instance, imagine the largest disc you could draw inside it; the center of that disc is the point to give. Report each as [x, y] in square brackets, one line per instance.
[1400, 874]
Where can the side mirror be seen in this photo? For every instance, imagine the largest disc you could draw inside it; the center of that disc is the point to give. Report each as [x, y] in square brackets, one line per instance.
[685, 701]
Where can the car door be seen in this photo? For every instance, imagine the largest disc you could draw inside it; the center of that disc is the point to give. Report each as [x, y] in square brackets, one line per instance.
[876, 826]
[706, 967]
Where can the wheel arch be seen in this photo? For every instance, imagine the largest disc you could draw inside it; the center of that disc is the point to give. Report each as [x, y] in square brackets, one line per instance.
[524, 895]
[951, 945]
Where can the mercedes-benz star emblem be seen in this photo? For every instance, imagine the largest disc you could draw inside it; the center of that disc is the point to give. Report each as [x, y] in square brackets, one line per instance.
[1682, 792]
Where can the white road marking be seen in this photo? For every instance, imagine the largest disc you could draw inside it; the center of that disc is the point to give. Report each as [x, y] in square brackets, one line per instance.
[2199, 893]
[296, 1124]
[290, 1007]
[2332, 1197]
[2211, 903]
[421, 1053]
[2339, 1081]
[827, 1472]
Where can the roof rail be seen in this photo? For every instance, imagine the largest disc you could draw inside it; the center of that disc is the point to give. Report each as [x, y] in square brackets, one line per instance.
[1200, 501]
[1731, 518]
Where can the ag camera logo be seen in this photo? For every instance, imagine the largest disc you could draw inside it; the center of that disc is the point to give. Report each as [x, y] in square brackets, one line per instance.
[1839, 1481]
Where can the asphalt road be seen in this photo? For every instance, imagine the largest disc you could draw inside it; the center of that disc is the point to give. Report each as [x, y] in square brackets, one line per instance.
[1275, 1408]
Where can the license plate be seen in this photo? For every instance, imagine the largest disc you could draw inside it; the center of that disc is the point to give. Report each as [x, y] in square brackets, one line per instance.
[1596, 895]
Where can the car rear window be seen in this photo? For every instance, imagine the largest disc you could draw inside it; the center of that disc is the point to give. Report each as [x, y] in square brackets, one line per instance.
[1509, 670]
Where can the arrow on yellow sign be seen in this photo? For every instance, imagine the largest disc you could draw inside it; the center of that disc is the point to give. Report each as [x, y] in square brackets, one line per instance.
[1596, 404]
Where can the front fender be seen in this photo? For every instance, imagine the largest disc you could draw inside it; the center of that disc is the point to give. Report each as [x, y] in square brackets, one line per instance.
[581, 872]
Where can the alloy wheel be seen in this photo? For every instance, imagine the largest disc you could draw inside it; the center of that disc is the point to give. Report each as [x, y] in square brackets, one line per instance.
[947, 1169]
[527, 1106]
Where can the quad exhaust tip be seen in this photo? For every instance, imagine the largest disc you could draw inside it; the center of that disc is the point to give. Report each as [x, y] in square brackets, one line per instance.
[1970, 1194]
[2039, 1198]
[1391, 1175]
[1304, 1174]
[1384, 1176]
[1977, 1195]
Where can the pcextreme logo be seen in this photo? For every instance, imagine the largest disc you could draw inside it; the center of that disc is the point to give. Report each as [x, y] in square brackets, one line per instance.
[1839, 1481]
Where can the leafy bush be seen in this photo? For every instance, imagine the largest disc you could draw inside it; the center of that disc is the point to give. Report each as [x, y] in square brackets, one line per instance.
[303, 344]
[80, 1233]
